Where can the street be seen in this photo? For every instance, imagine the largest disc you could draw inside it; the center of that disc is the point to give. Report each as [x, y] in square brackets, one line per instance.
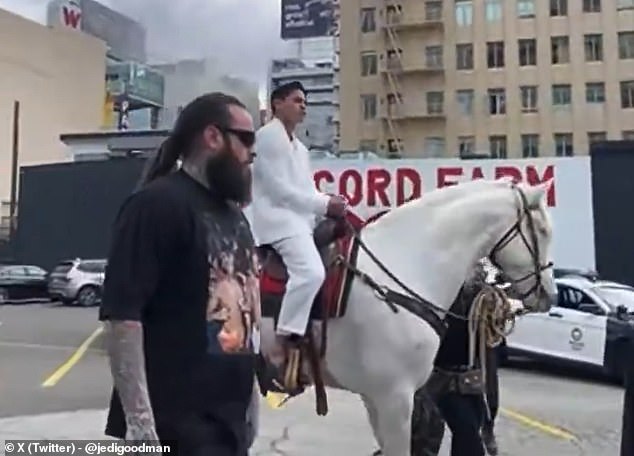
[49, 391]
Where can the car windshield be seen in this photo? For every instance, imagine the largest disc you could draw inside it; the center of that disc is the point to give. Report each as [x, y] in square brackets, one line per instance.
[616, 296]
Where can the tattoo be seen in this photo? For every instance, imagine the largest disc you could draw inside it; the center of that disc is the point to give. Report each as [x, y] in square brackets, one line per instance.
[196, 170]
[124, 341]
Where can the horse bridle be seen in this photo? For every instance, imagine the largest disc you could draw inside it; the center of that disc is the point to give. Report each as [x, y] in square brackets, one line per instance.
[523, 213]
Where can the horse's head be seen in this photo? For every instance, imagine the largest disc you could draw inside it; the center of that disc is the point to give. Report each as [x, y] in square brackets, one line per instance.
[523, 254]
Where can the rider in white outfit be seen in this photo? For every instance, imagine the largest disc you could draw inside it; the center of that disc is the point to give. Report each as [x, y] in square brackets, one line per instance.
[286, 203]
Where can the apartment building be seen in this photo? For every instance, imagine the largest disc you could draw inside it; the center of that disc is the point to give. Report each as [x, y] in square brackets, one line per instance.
[499, 78]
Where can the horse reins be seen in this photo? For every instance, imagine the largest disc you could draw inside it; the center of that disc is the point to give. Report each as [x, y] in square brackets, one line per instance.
[504, 241]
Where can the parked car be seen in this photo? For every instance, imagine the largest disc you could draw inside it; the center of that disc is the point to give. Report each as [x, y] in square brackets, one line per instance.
[77, 281]
[22, 283]
[590, 326]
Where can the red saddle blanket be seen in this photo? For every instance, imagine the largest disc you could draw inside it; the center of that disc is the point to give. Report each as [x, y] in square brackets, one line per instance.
[336, 286]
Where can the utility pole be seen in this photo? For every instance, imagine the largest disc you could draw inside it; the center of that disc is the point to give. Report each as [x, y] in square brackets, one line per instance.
[14, 171]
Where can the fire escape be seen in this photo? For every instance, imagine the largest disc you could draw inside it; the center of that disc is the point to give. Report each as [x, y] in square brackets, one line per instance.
[393, 69]
[407, 16]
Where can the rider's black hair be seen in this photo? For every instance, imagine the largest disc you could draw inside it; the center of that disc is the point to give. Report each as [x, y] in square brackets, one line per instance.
[283, 91]
[209, 109]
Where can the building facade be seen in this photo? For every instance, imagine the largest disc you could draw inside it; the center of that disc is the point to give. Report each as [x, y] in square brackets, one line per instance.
[58, 78]
[188, 79]
[317, 131]
[494, 78]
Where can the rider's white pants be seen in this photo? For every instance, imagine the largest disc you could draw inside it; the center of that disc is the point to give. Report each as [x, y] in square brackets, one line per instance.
[305, 276]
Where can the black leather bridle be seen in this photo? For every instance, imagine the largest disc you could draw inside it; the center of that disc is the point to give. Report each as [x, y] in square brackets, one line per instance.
[523, 213]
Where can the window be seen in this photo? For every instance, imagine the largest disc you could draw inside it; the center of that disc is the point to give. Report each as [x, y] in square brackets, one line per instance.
[497, 146]
[497, 101]
[493, 10]
[368, 145]
[627, 94]
[466, 145]
[593, 45]
[394, 145]
[433, 11]
[530, 145]
[495, 54]
[528, 52]
[591, 6]
[369, 63]
[626, 45]
[433, 56]
[571, 298]
[562, 95]
[368, 106]
[563, 144]
[435, 102]
[528, 94]
[558, 7]
[368, 20]
[624, 4]
[464, 98]
[628, 135]
[595, 92]
[435, 146]
[596, 136]
[464, 13]
[464, 56]
[525, 8]
[560, 49]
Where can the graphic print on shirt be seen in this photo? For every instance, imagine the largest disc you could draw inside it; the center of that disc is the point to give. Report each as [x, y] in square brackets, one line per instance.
[233, 308]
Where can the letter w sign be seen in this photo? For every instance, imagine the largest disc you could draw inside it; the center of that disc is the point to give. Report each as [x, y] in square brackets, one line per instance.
[71, 17]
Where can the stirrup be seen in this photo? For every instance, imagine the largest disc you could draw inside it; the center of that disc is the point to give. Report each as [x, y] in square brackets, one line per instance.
[291, 373]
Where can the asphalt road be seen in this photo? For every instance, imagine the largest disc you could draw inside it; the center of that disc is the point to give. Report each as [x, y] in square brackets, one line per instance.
[545, 411]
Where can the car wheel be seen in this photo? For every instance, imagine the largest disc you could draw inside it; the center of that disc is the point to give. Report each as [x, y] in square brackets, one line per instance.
[88, 296]
[4, 295]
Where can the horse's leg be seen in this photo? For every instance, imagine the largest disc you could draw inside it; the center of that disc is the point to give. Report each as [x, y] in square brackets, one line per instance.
[394, 413]
[373, 416]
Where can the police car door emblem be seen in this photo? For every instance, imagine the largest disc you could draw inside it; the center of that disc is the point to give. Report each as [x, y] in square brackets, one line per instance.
[575, 339]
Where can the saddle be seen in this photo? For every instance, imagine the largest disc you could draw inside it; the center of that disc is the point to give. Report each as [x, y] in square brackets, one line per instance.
[334, 240]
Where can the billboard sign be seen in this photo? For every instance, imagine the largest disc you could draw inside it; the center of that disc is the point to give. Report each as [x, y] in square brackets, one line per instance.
[308, 19]
[372, 186]
[125, 38]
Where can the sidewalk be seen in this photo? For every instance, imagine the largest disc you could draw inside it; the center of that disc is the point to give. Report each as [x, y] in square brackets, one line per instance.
[294, 429]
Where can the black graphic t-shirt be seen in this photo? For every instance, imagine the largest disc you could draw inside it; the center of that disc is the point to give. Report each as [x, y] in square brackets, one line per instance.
[183, 263]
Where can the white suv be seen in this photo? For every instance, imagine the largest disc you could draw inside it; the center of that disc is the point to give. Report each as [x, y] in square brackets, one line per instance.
[77, 281]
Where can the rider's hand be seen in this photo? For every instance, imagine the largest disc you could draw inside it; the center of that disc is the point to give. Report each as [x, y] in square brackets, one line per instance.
[336, 206]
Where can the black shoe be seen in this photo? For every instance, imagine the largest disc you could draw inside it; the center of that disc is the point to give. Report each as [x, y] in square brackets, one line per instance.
[490, 442]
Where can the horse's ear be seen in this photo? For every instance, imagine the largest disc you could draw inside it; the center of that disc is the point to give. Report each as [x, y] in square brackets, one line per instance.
[539, 192]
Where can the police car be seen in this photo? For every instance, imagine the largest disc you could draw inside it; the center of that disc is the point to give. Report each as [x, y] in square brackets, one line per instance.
[590, 326]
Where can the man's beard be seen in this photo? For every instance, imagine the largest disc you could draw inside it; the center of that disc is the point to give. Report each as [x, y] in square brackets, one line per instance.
[228, 178]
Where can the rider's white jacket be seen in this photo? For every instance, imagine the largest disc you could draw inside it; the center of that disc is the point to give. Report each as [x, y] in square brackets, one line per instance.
[285, 201]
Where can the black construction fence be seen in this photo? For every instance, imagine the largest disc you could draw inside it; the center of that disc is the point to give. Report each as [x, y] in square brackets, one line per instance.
[66, 210]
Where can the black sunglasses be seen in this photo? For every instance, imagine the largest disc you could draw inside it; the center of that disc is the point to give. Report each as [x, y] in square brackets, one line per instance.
[246, 137]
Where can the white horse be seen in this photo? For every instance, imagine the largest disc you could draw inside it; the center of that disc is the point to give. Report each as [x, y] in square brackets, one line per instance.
[429, 245]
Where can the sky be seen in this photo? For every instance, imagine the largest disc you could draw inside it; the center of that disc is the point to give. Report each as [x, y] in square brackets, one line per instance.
[242, 34]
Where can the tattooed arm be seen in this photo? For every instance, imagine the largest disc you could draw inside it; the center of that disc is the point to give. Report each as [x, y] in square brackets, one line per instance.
[124, 341]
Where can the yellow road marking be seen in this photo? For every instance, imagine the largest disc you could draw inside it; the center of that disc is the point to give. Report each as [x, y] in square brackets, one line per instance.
[539, 425]
[62, 370]
[275, 400]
